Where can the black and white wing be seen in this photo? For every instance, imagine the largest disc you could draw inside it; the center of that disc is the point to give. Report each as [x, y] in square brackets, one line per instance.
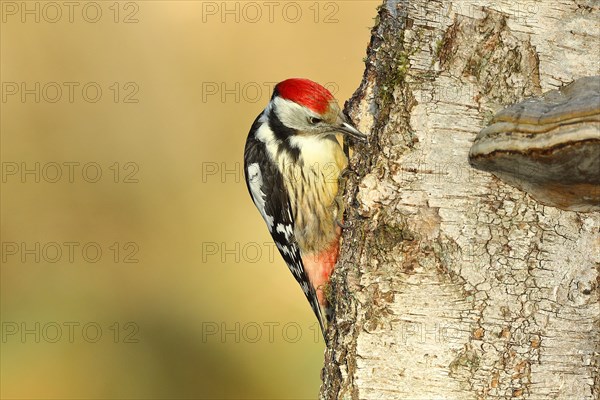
[266, 186]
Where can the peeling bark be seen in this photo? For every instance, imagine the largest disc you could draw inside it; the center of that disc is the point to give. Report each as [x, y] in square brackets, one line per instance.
[452, 284]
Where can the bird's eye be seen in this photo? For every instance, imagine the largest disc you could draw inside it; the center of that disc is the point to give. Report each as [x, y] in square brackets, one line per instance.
[314, 120]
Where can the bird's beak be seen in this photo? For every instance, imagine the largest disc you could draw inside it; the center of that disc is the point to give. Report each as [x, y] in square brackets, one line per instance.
[346, 128]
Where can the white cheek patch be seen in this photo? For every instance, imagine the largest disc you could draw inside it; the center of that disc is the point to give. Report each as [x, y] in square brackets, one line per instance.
[292, 114]
[255, 182]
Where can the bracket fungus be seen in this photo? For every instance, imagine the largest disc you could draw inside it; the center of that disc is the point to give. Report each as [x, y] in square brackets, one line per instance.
[548, 146]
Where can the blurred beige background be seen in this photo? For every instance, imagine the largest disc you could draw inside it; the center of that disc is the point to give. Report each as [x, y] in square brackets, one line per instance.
[134, 264]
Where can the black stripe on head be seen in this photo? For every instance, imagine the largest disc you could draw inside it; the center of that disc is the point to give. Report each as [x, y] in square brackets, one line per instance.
[283, 133]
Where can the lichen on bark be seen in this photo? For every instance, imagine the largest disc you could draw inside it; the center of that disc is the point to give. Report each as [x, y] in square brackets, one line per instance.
[450, 283]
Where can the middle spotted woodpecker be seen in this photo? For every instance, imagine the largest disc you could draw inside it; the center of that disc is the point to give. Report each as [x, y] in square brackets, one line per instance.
[292, 163]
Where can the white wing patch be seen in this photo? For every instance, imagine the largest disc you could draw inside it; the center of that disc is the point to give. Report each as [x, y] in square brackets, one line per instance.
[287, 230]
[293, 260]
[255, 182]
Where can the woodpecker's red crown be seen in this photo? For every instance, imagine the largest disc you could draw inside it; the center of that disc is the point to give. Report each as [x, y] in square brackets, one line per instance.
[306, 93]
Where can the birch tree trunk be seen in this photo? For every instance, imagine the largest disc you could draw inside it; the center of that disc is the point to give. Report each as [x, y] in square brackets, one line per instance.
[451, 283]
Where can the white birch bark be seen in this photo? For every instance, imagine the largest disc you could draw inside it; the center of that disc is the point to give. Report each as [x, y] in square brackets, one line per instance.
[451, 283]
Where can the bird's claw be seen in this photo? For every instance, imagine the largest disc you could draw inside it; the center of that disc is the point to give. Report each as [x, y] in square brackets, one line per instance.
[342, 225]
